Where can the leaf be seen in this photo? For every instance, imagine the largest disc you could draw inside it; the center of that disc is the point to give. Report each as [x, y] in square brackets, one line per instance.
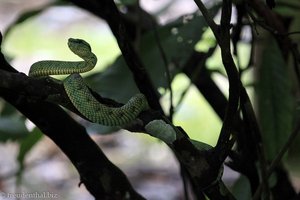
[93, 128]
[177, 40]
[12, 128]
[26, 145]
[115, 82]
[288, 8]
[128, 2]
[160, 129]
[275, 101]
[241, 189]
[7, 109]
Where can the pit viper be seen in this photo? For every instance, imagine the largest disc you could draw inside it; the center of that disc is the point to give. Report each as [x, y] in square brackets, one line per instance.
[79, 93]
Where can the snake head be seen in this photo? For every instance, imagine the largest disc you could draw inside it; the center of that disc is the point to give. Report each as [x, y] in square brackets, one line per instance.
[79, 47]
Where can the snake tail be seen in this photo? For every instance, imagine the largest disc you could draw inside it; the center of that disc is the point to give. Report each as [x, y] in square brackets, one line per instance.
[52, 67]
[87, 105]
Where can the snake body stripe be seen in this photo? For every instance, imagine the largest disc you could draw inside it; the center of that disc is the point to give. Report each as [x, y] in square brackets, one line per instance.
[80, 95]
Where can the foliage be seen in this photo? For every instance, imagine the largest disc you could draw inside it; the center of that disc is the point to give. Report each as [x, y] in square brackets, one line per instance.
[152, 56]
[274, 99]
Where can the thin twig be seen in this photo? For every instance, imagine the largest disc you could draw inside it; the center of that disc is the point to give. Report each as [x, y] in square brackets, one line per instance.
[278, 158]
[223, 38]
[166, 65]
[249, 116]
[182, 96]
[208, 18]
[267, 27]
[292, 33]
[228, 128]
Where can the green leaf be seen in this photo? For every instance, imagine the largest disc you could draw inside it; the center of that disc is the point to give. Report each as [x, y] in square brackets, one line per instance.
[275, 101]
[128, 2]
[26, 145]
[7, 109]
[241, 189]
[287, 8]
[177, 39]
[93, 128]
[12, 128]
[115, 82]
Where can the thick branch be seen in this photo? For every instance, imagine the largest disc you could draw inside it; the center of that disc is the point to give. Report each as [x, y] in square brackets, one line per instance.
[88, 158]
[43, 89]
[102, 179]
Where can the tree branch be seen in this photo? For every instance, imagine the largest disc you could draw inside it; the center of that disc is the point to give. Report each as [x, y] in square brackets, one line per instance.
[107, 9]
[101, 178]
[278, 158]
[187, 154]
[88, 158]
[222, 36]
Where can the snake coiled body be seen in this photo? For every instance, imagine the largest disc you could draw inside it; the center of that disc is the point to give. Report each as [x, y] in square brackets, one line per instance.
[80, 95]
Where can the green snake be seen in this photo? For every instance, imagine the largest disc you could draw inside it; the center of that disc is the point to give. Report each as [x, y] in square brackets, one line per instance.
[79, 93]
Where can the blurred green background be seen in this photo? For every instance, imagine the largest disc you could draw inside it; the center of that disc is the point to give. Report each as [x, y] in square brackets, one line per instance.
[149, 164]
